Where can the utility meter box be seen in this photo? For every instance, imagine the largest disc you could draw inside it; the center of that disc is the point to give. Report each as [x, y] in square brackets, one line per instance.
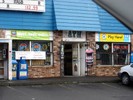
[22, 72]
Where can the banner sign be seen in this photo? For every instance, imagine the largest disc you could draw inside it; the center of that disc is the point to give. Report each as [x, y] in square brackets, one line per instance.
[30, 54]
[112, 37]
[23, 5]
[30, 35]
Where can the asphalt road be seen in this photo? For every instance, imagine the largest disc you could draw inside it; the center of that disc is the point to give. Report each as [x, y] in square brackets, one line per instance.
[90, 91]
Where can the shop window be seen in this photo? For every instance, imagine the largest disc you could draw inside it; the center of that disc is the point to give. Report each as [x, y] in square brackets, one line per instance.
[21, 46]
[35, 46]
[41, 46]
[120, 53]
[103, 53]
[112, 53]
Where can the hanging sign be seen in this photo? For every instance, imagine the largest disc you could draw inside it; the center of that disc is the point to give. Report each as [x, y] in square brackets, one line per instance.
[23, 5]
[89, 56]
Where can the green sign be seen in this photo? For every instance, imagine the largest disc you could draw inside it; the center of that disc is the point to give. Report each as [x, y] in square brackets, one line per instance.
[30, 35]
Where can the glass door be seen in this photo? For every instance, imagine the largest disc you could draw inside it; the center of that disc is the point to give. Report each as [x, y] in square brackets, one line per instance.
[1, 72]
[1, 62]
[76, 59]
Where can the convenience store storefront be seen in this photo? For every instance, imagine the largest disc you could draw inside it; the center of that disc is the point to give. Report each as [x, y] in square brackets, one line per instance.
[50, 16]
[112, 52]
[39, 48]
[36, 47]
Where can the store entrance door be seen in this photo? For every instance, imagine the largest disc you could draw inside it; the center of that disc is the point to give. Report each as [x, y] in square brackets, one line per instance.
[68, 59]
[3, 60]
[72, 59]
[76, 59]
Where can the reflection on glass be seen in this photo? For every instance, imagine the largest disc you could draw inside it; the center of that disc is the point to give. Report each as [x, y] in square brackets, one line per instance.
[120, 54]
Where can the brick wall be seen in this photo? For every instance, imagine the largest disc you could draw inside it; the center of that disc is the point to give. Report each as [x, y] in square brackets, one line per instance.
[103, 71]
[42, 72]
[2, 33]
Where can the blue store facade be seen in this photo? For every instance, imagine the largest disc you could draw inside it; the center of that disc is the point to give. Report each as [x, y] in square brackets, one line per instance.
[54, 41]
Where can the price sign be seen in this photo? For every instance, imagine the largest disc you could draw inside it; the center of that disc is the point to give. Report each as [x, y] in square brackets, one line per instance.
[23, 5]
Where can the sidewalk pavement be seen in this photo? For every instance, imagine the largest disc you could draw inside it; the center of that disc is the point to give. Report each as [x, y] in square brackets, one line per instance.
[59, 80]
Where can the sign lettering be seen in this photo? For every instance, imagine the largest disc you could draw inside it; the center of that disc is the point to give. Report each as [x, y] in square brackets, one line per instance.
[112, 37]
[18, 1]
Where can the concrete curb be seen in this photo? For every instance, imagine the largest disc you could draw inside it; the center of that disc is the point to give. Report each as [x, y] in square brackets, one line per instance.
[51, 81]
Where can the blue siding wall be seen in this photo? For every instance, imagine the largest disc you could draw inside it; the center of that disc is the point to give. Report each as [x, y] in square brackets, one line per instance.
[28, 20]
[76, 15]
[82, 15]
[109, 23]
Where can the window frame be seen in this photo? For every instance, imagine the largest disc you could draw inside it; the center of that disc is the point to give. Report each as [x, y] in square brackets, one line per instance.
[112, 53]
[30, 49]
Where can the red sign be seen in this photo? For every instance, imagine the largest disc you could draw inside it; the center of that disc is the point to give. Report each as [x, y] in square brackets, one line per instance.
[121, 47]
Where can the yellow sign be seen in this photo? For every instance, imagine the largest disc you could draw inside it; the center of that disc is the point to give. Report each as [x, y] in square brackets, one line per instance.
[111, 37]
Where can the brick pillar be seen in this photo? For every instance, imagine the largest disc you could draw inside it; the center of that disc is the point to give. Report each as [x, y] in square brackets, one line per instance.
[90, 39]
[56, 50]
[91, 43]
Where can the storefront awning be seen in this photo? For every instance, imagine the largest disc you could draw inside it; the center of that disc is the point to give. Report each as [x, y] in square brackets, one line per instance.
[121, 9]
[85, 15]
[77, 15]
